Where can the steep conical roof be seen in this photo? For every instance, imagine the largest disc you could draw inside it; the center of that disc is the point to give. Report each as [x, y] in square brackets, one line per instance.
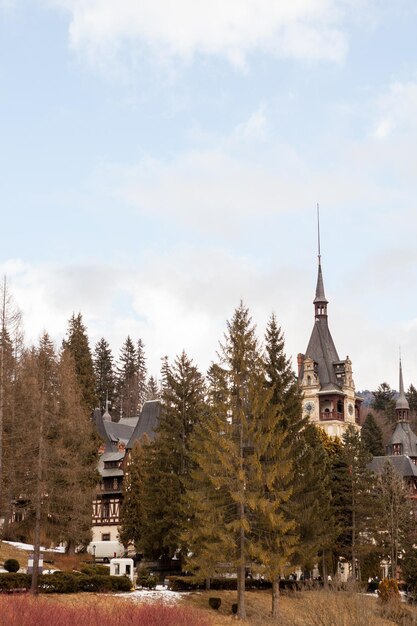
[320, 297]
[402, 402]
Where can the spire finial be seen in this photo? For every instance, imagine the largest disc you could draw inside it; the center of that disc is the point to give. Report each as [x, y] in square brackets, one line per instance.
[318, 232]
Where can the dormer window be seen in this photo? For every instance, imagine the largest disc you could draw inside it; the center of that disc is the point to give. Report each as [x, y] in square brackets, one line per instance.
[397, 449]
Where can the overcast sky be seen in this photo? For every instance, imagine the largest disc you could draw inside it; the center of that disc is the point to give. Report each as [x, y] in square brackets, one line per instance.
[161, 160]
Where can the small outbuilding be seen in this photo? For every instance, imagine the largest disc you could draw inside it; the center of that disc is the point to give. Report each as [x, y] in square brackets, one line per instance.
[122, 567]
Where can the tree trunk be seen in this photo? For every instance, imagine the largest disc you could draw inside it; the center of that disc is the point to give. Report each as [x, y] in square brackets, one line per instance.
[275, 597]
[208, 584]
[38, 501]
[325, 574]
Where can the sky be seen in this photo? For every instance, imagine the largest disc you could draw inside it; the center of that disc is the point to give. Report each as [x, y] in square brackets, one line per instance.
[160, 161]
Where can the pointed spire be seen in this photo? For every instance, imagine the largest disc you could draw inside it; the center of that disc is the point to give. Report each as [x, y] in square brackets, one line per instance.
[402, 405]
[107, 415]
[320, 298]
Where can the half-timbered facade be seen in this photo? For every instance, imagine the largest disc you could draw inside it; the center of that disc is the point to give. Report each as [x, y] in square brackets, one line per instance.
[118, 438]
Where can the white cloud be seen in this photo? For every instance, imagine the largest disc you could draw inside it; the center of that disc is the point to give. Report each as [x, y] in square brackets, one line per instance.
[303, 29]
[397, 110]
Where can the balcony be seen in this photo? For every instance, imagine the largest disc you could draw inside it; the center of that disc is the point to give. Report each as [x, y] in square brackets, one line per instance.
[326, 416]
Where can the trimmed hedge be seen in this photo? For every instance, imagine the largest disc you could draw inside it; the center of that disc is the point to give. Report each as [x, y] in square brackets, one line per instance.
[73, 582]
[9, 582]
[187, 583]
[66, 582]
[95, 570]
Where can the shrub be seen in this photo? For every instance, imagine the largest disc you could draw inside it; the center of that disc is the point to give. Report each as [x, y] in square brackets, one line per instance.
[8, 582]
[188, 583]
[11, 565]
[95, 570]
[388, 590]
[73, 582]
[215, 603]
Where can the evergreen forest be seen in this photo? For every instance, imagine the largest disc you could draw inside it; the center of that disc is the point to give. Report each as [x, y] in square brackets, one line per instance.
[236, 480]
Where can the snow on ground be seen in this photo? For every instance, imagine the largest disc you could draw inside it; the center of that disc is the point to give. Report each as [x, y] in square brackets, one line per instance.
[160, 594]
[29, 547]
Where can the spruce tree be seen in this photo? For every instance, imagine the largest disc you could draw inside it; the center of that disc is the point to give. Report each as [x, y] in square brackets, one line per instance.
[132, 512]
[362, 508]
[141, 372]
[311, 502]
[384, 401]
[104, 373]
[152, 390]
[168, 460]
[127, 380]
[371, 435]
[77, 344]
[397, 517]
[412, 398]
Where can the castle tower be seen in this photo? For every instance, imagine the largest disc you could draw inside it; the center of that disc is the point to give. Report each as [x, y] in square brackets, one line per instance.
[403, 441]
[329, 397]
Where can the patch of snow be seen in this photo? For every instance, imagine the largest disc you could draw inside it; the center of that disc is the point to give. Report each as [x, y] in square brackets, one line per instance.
[160, 594]
[29, 547]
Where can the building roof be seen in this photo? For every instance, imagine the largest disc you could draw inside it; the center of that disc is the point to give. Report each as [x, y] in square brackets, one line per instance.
[148, 421]
[402, 402]
[402, 464]
[404, 435]
[321, 349]
[320, 297]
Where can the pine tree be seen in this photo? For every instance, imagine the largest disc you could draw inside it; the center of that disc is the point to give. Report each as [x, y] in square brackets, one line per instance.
[127, 380]
[104, 373]
[77, 344]
[372, 436]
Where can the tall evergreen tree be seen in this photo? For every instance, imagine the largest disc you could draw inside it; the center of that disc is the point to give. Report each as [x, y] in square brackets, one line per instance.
[412, 398]
[104, 373]
[10, 348]
[371, 435]
[361, 524]
[384, 401]
[132, 512]
[242, 464]
[168, 461]
[142, 372]
[77, 344]
[127, 380]
[311, 502]
[152, 389]
[396, 514]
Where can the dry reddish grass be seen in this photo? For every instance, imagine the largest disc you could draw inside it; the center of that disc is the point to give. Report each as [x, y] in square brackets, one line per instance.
[36, 611]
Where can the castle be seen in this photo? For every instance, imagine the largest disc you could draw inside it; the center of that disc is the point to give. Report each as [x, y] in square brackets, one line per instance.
[329, 397]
